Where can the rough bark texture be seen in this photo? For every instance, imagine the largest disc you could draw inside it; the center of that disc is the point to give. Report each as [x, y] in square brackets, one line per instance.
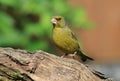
[21, 65]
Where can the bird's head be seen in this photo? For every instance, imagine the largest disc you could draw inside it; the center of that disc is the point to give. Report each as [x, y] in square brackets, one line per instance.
[58, 21]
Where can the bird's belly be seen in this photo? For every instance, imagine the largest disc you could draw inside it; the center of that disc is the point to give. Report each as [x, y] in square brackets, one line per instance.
[65, 42]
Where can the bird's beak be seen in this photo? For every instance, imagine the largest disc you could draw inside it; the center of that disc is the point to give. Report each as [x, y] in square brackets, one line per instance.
[54, 21]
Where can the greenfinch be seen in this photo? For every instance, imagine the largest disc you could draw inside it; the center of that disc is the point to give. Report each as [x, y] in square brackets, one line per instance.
[65, 39]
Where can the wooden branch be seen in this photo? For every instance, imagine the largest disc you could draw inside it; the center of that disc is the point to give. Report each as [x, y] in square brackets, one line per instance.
[21, 65]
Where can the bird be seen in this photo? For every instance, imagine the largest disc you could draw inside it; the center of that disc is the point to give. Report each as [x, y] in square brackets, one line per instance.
[65, 39]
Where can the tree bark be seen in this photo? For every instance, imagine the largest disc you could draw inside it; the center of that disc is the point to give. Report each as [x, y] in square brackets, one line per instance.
[21, 65]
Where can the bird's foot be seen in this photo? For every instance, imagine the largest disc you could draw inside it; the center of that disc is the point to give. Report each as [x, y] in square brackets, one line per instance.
[69, 55]
[73, 55]
[63, 55]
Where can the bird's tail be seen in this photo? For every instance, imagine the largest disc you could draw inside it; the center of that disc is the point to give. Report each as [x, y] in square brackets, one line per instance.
[84, 57]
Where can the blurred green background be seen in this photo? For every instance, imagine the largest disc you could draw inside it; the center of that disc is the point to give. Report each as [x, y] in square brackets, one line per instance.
[25, 24]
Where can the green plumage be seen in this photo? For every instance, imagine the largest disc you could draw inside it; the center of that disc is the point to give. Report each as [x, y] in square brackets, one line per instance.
[65, 39]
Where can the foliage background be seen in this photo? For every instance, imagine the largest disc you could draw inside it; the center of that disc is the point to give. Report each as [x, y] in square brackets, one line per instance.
[26, 24]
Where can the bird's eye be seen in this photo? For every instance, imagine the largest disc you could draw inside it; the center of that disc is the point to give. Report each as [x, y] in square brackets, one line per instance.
[58, 19]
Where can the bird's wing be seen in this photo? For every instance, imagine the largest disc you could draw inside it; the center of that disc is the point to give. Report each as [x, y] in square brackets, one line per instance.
[73, 36]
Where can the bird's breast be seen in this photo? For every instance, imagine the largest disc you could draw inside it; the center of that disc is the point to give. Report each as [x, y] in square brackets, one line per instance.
[64, 41]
